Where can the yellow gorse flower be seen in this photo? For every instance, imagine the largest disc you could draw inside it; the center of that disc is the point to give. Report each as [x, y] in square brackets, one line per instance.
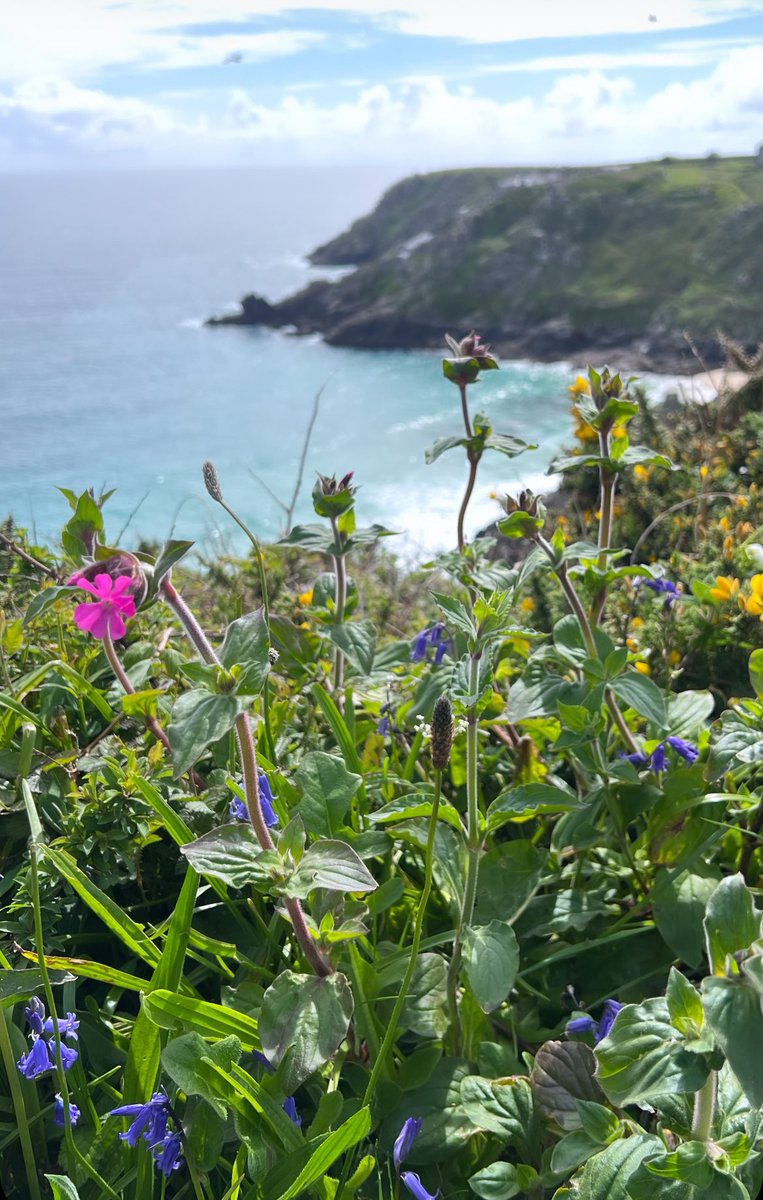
[306, 598]
[725, 588]
[581, 387]
[643, 667]
[641, 473]
[754, 604]
[528, 605]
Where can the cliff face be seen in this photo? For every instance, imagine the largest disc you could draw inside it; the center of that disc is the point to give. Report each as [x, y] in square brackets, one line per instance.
[549, 264]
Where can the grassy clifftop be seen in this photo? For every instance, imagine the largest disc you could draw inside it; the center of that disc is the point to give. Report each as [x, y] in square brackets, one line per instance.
[550, 262]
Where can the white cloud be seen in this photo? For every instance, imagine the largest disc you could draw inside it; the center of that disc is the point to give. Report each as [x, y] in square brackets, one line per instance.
[420, 122]
[77, 38]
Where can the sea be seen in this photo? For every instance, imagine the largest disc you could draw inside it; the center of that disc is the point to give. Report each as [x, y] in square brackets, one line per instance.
[110, 379]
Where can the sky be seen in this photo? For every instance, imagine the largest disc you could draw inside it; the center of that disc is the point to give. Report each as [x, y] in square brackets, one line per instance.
[109, 84]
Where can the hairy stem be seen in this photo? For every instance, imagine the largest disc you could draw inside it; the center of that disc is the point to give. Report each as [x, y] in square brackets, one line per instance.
[116, 666]
[704, 1108]
[473, 464]
[340, 596]
[473, 848]
[465, 410]
[251, 776]
[608, 482]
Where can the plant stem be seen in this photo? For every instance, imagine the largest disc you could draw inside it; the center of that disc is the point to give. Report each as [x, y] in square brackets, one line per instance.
[473, 846]
[340, 577]
[389, 1036]
[19, 1107]
[465, 410]
[473, 464]
[122, 676]
[251, 776]
[608, 481]
[704, 1108]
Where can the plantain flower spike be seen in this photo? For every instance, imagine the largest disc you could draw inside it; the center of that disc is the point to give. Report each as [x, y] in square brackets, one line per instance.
[442, 732]
[212, 481]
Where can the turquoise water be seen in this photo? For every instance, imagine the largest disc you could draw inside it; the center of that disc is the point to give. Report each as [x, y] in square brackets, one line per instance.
[108, 378]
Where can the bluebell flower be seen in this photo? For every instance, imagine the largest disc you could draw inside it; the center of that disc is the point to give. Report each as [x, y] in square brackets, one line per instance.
[261, 1058]
[237, 807]
[168, 1154]
[150, 1120]
[664, 587]
[68, 1027]
[58, 1112]
[686, 750]
[69, 1056]
[416, 1187]
[639, 759]
[659, 759]
[435, 636]
[35, 1015]
[600, 1028]
[37, 1061]
[290, 1108]
[405, 1139]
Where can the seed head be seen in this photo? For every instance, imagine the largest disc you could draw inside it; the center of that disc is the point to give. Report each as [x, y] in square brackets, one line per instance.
[212, 481]
[442, 732]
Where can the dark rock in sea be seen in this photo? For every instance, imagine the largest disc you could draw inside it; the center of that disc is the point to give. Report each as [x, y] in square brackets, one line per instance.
[599, 264]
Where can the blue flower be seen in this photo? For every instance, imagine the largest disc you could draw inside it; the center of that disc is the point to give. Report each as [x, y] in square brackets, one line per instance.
[416, 1187]
[168, 1154]
[37, 1061]
[237, 807]
[261, 1058]
[664, 587]
[405, 1139]
[150, 1119]
[600, 1028]
[35, 1015]
[639, 759]
[290, 1108]
[68, 1027]
[434, 636]
[58, 1112]
[686, 750]
[659, 759]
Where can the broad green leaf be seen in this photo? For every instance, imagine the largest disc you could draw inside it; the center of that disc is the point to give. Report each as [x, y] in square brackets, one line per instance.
[688, 711]
[679, 902]
[606, 1175]
[500, 1106]
[327, 790]
[246, 645]
[200, 718]
[357, 641]
[562, 1074]
[507, 445]
[457, 613]
[171, 553]
[333, 865]
[644, 1056]
[303, 1020]
[684, 1005]
[204, 1130]
[21, 984]
[62, 1188]
[312, 537]
[169, 1009]
[499, 1181]
[733, 1012]
[354, 1129]
[491, 961]
[231, 853]
[182, 1058]
[642, 694]
[689, 1162]
[425, 1011]
[239, 1091]
[756, 672]
[572, 1151]
[732, 922]
[46, 599]
[433, 452]
[509, 875]
[530, 800]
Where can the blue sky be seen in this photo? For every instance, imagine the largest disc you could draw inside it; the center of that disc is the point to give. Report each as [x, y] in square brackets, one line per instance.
[412, 83]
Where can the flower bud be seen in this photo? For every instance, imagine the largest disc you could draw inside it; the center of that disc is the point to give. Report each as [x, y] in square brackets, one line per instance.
[471, 355]
[332, 497]
[116, 565]
[212, 481]
[442, 732]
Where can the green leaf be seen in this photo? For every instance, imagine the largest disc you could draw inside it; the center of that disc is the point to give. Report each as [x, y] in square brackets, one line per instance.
[458, 614]
[684, 1005]
[606, 1175]
[333, 865]
[491, 961]
[237, 1090]
[688, 711]
[425, 1011]
[181, 1060]
[644, 1056]
[204, 1130]
[507, 445]
[642, 694]
[520, 525]
[356, 640]
[756, 671]
[732, 922]
[246, 645]
[500, 1106]
[303, 1020]
[446, 1127]
[354, 1129]
[63, 1188]
[530, 800]
[232, 853]
[573, 1150]
[169, 1009]
[509, 875]
[46, 599]
[311, 537]
[689, 1162]
[327, 790]
[734, 1014]
[20, 984]
[562, 1074]
[679, 902]
[499, 1181]
[200, 718]
[171, 553]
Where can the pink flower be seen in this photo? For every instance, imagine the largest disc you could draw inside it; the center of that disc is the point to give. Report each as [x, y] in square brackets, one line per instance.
[113, 605]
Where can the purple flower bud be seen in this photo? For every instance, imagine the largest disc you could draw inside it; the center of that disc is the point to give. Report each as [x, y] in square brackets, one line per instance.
[659, 759]
[239, 811]
[639, 759]
[405, 1139]
[290, 1108]
[416, 1187]
[260, 1057]
[35, 1015]
[59, 1115]
[611, 1009]
[580, 1025]
[687, 750]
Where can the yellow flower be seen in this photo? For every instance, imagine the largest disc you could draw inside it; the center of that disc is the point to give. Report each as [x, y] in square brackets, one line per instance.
[583, 431]
[728, 547]
[581, 387]
[675, 657]
[725, 588]
[643, 668]
[641, 473]
[631, 643]
[741, 501]
[306, 598]
[637, 622]
[704, 472]
[725, 524]
[528, 605]
[618, 431]
[754, 606]
[744, 529]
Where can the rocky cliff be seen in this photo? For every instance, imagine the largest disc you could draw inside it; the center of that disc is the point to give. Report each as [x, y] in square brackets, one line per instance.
[607, 262]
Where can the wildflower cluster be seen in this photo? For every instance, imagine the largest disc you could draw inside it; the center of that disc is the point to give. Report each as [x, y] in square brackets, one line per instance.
[43, 1031]
[151, 1123]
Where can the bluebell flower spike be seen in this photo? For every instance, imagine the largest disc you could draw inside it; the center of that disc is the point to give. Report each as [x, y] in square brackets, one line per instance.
[405, 1139]
[290, 1108]
[37, 1061]
[42, 1056]
[416, 1187]
[59, 1114]
[150, 1119]
[168, 1153]
[586, 1024]
[433, 637]
[240, 812]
